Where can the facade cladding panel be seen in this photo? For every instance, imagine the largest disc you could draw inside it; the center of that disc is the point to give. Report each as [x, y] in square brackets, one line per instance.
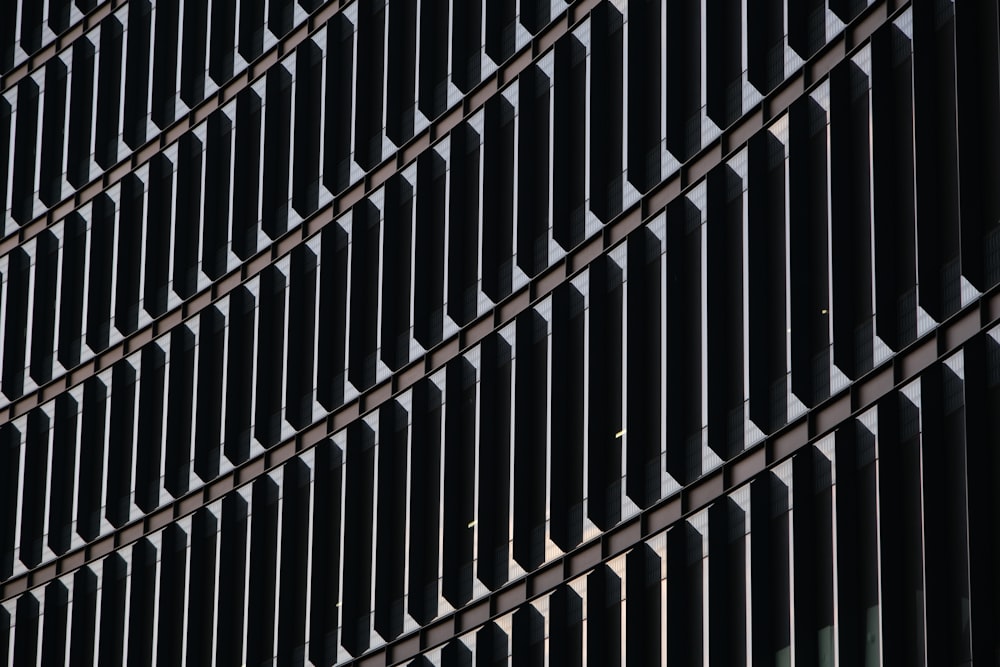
[507, 332]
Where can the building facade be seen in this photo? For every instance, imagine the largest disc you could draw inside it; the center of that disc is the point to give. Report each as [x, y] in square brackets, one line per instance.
[500, 332]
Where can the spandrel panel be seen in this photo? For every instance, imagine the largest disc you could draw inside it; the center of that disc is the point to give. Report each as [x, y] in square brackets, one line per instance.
[495, 461]
[187, 213]
[644, 606]
[366, 238]
[64, 466]
[135, 105]
[132, 211]
[607, 90]
[222, 45]
[814, 552]
[533, 169]
[109, 83]
[688, 452]
[645, 422]
[54, 631]
[208, 417]
[93, 452]
[944, 449]
[467, 44]
[166, 33]
[16, 299]
[141, 602]
[424, 534]
[429, 249]
[270, 369]
[325, 590]
[565, 626]
[274, 184]
[605, 634]
[858, 599]
[399, 278]
[463, 224]
[769, 282]
[331, 357]
[726, 240]
[53, 119]
[686, 608]
[180, 400]
[605, 414]
[308, 124]
[770, 565]
[261, 607]
[569, 142]
[977, 40]
[294, 562]
[725, 62]
[121, 441]
[567, 417]
[936, 144]
[765, 43]
[170, 595]
[649, 42]
[337, 163]
[854, 343]
[531, 439]
[402, 69]
[300, 355]
[113, 594]
[84, 621]
[807, 26]
[809, 247]
[894, 206]
[369, 125]
[432, 94]
[7, 124]
[72, 291]
[10, 449]
[901, 499]
[26, 630]
[239, 375]
[501, 30]
[192, 42]
[684, 78]
[79, 150]
[528, 640]
[233, 545]
[23, 149]
[250, 36]
[7, 44]
[35, 488]
[218, 177]
[463, 475]
[395, 457]
[158, 225]
[150, 427]
[247, 193]
[498, 200]
[358, 582]
[203, 584]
